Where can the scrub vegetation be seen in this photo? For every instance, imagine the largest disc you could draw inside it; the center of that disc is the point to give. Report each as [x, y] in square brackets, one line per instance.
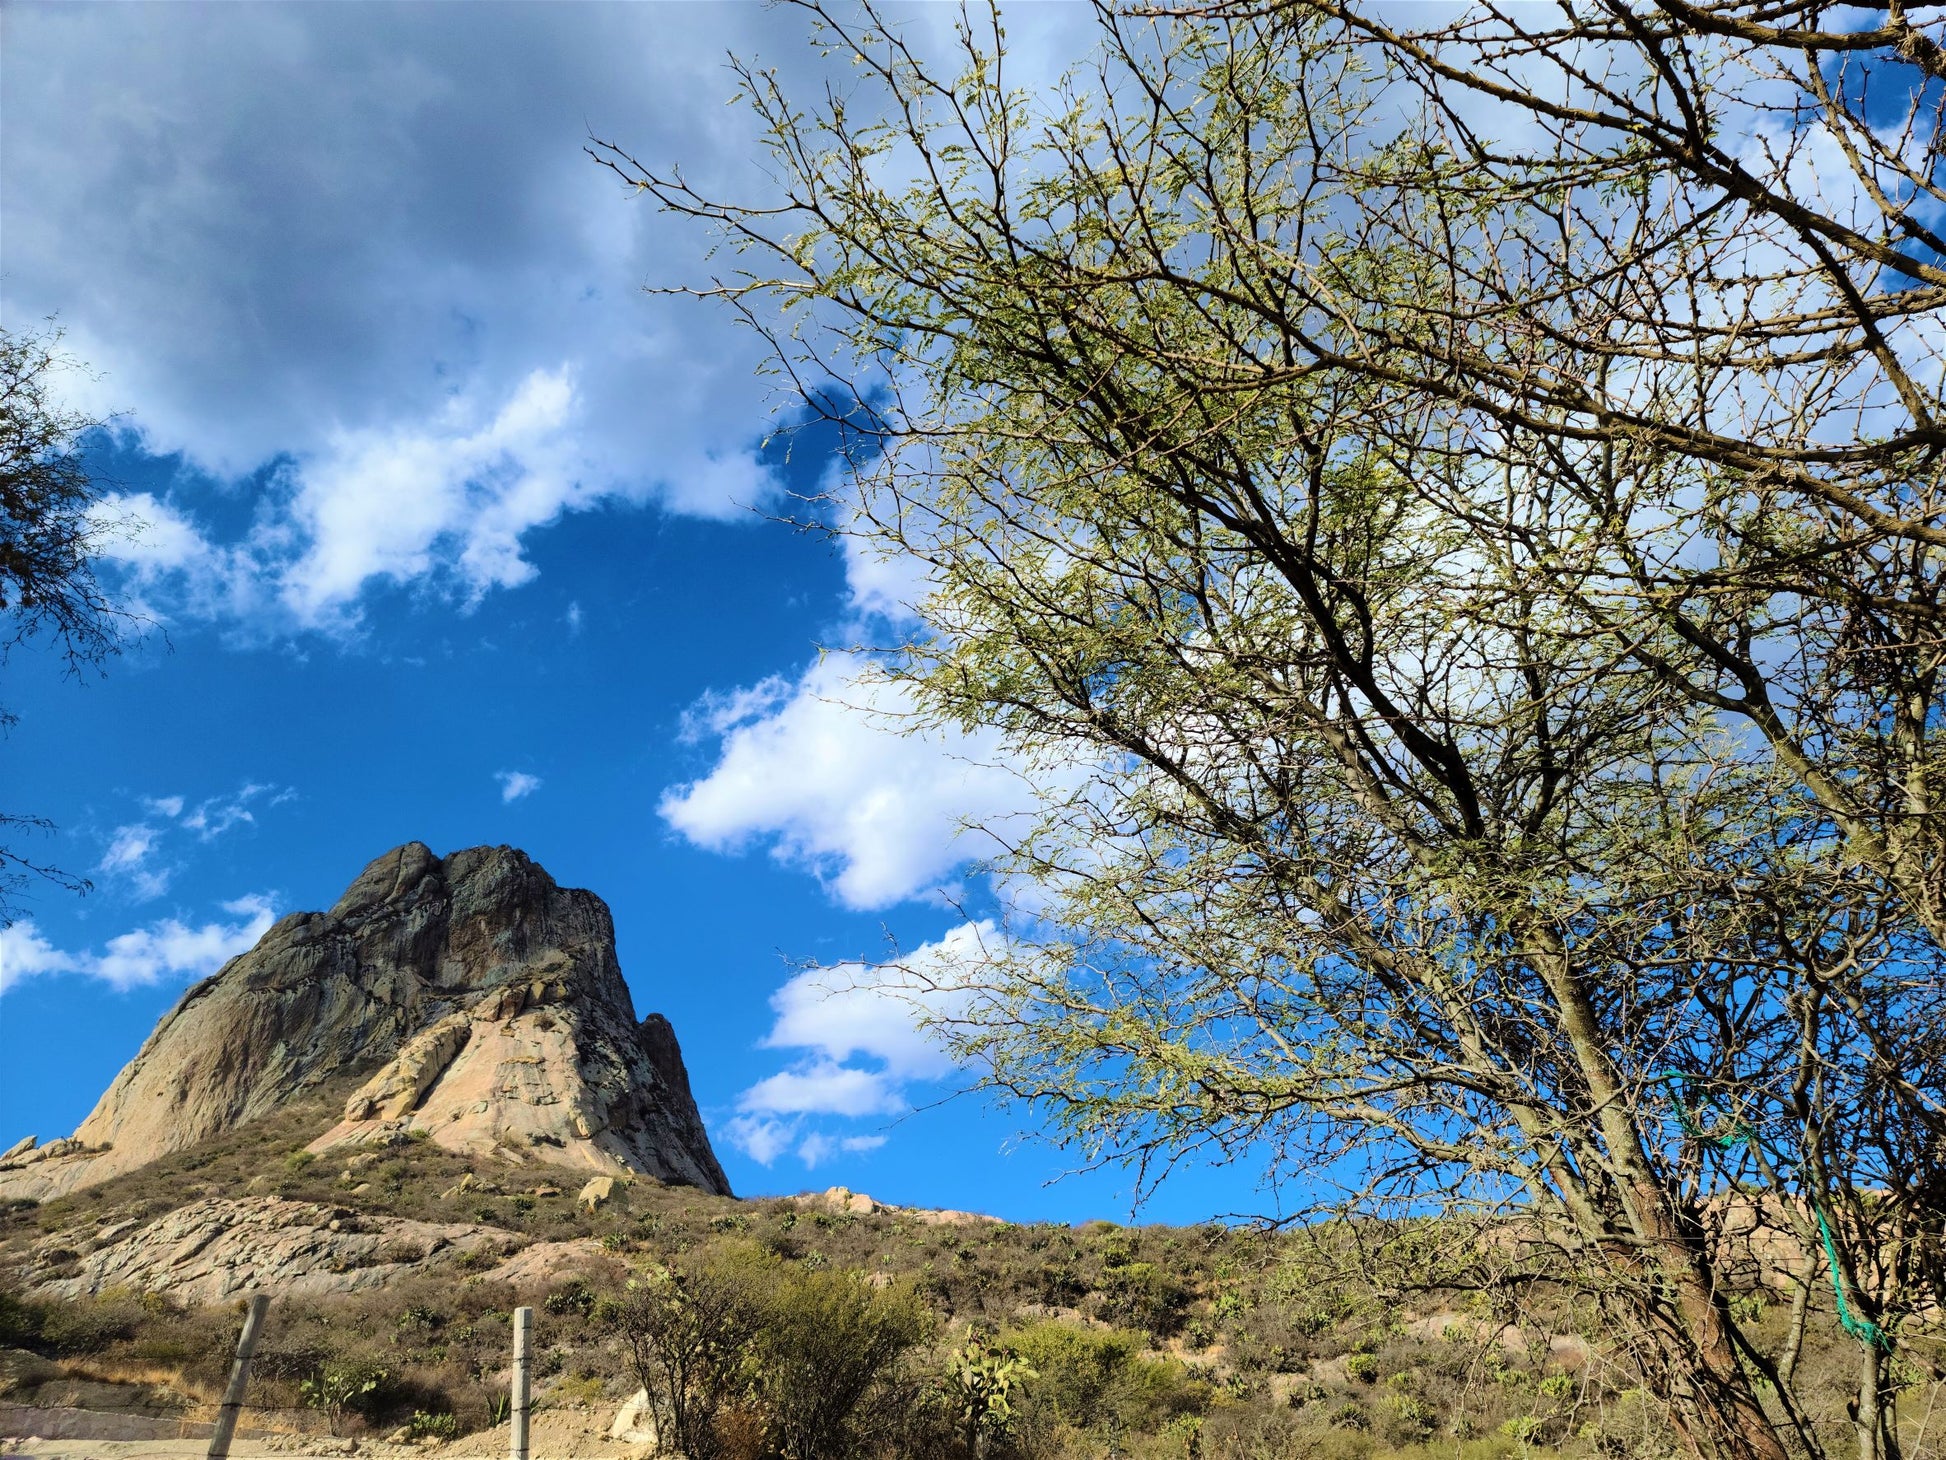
[793, 1328]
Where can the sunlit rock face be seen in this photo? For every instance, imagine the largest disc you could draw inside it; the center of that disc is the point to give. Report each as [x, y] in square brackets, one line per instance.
[488, 1001]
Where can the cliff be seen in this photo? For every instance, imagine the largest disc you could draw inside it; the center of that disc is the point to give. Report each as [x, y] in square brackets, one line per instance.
[487, 1002]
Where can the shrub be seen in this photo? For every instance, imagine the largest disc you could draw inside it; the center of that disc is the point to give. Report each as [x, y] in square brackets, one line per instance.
[89, 1325]
[341, 1386]
[686, 1329]
[983, 1387]
[20, 1320]
[1141, 1295]
[423, 1426]
[826, 1341]
[1076, 1367]
[574, 1298]
[1351, 1415]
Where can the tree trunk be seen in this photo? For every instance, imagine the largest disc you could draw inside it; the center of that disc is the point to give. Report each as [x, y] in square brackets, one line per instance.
[1676, 1302]
[1875, 1415]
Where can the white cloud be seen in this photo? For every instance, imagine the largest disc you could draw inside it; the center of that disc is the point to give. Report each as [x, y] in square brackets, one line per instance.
[167, 949]
[759, 1137]
[368, 246]
[823, 1088]
[25, 953]
[833, 1018]
[130, 849]
[134, 857]
[822, 771]
[219, 814]
[718, 712]
[764, 1138]
[515, 784]
[878, 1010]
[454, 494]
[818, 1147]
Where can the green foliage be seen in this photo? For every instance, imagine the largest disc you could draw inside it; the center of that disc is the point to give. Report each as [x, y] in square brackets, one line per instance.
[687, 1329]
[1384, 520]
[440, 1426]
[342, 1385]
[576, 1297]
[20, 1320]
[983, 1386]
[1077, 1368]
[828, 1340]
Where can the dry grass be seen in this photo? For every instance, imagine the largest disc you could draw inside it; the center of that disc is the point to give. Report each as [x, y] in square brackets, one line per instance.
[1232, 1344]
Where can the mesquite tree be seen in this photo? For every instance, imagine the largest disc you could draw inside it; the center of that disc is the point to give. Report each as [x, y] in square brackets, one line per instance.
[1454, 520]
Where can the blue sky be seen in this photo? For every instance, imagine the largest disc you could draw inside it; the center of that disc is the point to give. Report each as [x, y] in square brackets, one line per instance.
[451, 533]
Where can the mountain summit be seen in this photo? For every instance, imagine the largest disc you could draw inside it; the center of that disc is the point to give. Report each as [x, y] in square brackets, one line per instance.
[485, 1002]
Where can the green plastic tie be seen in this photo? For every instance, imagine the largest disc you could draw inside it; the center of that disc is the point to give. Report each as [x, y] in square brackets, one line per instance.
[1862, 1329]
[1678, 1086]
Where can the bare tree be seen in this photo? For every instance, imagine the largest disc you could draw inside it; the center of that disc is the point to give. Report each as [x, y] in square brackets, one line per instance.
[687, 1330]
[1455, 516]
[51, 534]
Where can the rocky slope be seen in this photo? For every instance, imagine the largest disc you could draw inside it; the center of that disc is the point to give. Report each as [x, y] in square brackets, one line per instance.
[489, 999]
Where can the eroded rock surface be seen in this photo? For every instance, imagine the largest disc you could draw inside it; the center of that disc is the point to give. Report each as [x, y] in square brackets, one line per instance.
[489, 999]
[212, 1250]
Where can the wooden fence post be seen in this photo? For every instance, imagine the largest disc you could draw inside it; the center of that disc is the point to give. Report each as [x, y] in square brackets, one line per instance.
[246, 1350]
[523, 1377]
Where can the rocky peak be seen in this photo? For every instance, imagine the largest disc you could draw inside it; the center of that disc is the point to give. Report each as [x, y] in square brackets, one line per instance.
[486, 1000]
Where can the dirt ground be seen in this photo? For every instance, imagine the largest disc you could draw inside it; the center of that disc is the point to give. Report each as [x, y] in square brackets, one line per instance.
[554, 1435]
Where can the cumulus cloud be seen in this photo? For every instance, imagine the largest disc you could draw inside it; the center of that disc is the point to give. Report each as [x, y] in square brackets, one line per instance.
[823, 1088]
[826, 773]
[24, 953]
[515, 784]
[366, 249]
[396, 503]
[859, 1033]
[164, 950]
[760, 1138]
[879, 1010]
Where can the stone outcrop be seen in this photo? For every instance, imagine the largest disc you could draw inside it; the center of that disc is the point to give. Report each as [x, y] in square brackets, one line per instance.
[841, 1201]
[489, 999]
[213, 1250]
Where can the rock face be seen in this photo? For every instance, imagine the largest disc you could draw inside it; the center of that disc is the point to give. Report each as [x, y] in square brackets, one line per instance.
[489, 998]
[212, 1250]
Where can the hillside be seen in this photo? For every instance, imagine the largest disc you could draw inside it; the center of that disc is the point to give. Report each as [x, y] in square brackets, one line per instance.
[406, 1262]
[406, 1116]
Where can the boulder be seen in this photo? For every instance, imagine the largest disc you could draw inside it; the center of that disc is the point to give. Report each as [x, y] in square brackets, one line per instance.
[634, 1421]
[21, 1371]
[598, 1190]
